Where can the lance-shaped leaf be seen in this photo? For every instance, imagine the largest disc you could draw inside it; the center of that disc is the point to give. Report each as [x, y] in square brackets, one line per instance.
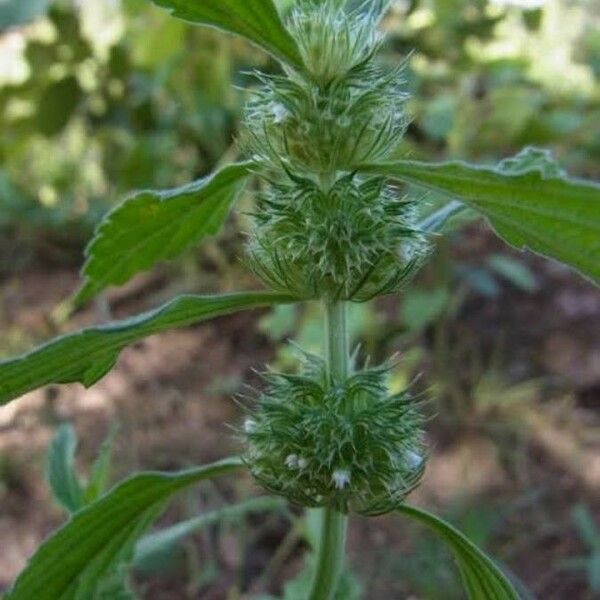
[87, 355]
[101, 468]
[75, 562]
[154, 226]
[156, 548]
[256, 20]
[529, 201]
[61, 474]
[482, 578]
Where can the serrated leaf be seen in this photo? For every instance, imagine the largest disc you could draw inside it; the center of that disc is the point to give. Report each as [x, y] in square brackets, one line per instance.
[74, 562]
[482, 578]
[528, 200]
[155, 545]
[154, 226]
[61, 473]
[256, 20]
[87, 355]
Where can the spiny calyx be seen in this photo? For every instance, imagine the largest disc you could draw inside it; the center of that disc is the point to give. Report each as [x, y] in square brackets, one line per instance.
[342, 111]
[354, 241]
[321, 230]
[349, 445]
[332, 38]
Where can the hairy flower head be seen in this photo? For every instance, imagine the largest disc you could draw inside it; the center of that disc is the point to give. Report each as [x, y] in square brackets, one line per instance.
[343, 110]
[354, 241]
[350, 445]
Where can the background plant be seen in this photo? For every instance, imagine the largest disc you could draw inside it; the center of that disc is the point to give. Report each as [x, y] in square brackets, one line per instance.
[107, 354]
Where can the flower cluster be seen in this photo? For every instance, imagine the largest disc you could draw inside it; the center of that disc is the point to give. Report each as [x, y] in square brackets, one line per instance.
[354, 241]
[350, 445]
[323, 231]
[344, 110]
[332, 39]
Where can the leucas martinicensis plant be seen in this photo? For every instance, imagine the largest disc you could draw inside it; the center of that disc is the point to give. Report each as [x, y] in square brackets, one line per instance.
[329, 224]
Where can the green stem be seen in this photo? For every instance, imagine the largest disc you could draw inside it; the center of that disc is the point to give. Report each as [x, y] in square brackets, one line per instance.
[336, 344]
[332, 536]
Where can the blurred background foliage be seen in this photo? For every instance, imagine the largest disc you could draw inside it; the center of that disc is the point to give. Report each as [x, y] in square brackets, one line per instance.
[100, 97]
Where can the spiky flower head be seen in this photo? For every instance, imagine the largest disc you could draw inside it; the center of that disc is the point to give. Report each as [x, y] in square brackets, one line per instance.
[349, 445]
[332, 38]
[353, 241]
[343, 110]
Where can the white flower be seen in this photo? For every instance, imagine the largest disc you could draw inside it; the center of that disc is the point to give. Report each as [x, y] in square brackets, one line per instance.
[302, 462]
[291, 461]
[280, 112]
[413, 459]
[249, 425]
[341, 478]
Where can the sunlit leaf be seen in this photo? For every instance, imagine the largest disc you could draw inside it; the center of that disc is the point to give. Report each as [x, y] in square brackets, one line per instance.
[154, 226]
[528, 200]
[62, 477]
[482, 578]
[87, 355]
[256, 20]
[75, 562]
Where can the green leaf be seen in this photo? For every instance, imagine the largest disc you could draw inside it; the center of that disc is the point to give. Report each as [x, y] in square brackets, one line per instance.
[74, 562]
[256, 20]
[421, 308]
[87, 355]
[513, 271]
[101, 468]
[61, 469]
[157, 545]
[528, 200]
[482, 578]
[588, 530]
[154, 226]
